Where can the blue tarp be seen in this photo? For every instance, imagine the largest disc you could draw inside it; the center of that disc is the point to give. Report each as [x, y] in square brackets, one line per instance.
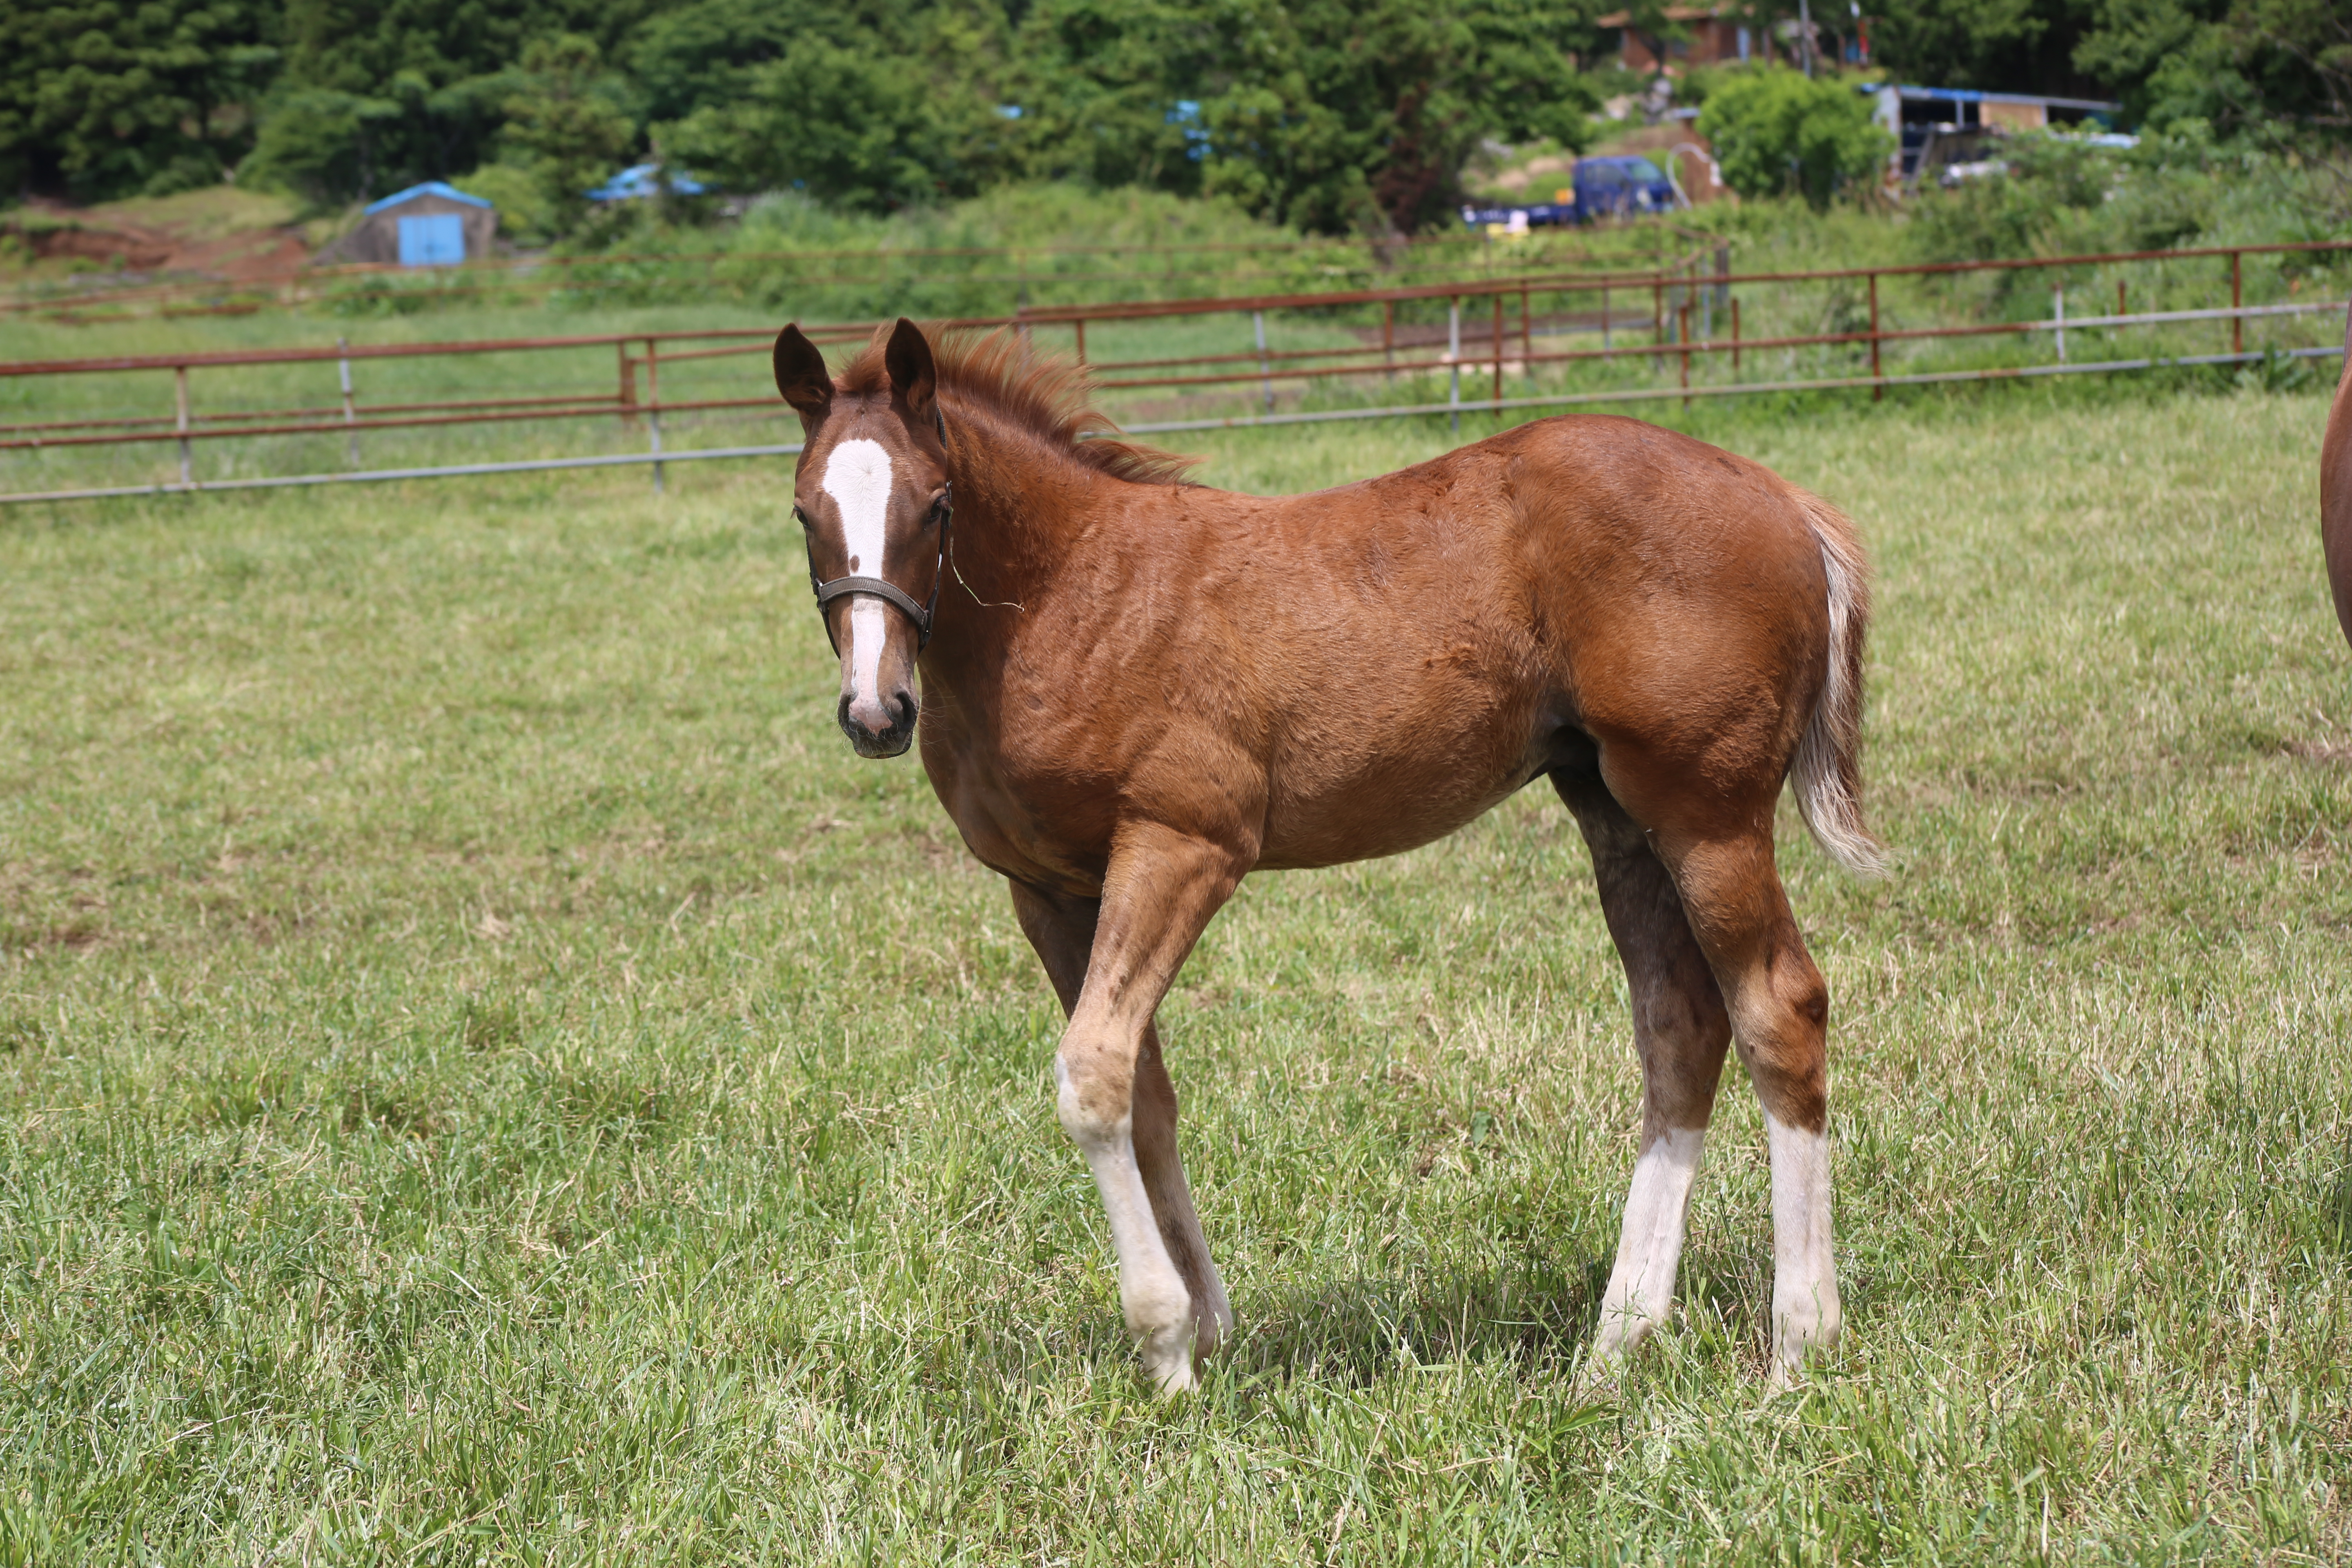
[643, 180]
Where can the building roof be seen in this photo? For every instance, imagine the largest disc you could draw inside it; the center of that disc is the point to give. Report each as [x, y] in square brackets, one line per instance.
[1673, 14]
[429, 188]
[1971, 95]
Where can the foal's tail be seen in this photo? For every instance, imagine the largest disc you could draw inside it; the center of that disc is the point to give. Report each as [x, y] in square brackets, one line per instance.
[1827, 769]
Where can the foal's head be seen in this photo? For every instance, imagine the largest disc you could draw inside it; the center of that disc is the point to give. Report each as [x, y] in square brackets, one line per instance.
[872, 493]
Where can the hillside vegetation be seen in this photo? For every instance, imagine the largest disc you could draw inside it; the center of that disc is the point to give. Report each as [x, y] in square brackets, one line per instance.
[1331, 115]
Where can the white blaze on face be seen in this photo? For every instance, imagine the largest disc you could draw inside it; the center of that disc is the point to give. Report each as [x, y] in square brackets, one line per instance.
[857, 476]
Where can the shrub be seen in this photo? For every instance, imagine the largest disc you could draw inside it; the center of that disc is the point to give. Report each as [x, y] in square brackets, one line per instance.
[1776, 131]
[526, 215]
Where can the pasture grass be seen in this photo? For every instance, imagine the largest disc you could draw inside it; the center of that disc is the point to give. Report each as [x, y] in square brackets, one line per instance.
[487, 1077]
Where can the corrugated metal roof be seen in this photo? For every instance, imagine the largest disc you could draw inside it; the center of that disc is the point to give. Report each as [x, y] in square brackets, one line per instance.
[429, 188]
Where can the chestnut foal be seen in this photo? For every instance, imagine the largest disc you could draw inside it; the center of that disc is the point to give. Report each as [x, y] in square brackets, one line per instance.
[1135, 691]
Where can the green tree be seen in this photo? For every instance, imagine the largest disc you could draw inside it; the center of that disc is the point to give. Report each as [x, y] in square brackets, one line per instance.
[1321, 113]
[1776, 131]
[2269, 67]
[325, 146]
[2001, 45]
[101, 99]
[849, 126]
[565, 124]
[375, 95]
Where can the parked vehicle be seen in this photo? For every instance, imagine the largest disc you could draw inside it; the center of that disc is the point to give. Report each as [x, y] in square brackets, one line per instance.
[1622, 186]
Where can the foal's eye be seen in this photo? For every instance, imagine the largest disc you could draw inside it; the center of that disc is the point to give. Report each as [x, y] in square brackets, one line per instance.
[802, 518]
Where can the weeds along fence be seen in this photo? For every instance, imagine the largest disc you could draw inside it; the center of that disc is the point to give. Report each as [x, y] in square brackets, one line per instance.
[908, 279]
[298, 416]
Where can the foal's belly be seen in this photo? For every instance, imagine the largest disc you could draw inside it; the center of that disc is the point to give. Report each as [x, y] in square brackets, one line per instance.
[1324, 810]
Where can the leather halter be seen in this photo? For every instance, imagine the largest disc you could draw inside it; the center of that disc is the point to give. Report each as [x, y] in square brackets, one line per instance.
[921, 614]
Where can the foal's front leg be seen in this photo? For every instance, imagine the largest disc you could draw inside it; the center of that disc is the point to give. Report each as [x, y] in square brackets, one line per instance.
[1116, 1101]
[1062, 930]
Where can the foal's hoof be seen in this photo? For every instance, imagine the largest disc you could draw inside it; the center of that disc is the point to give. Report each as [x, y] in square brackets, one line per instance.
[1167, 1360]
[1806, 1330]
[1613, 1344]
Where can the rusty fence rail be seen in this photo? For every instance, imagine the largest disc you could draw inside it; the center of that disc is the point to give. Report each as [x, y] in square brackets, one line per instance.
[1671, 324]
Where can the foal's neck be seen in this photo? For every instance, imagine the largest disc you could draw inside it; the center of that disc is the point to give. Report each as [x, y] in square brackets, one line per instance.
[1019, 498]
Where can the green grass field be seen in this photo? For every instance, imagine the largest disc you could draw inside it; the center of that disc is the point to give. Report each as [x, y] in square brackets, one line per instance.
[487, 1077]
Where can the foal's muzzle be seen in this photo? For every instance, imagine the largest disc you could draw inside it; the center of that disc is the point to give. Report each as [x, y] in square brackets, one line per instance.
[882, 729]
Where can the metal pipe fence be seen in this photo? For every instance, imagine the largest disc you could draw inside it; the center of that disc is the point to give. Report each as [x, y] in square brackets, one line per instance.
[1501, 335]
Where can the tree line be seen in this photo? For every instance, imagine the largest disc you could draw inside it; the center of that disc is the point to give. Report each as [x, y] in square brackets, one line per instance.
[1331, 115]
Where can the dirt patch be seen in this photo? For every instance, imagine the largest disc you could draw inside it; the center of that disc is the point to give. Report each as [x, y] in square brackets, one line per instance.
[121, 249]
[228, 236]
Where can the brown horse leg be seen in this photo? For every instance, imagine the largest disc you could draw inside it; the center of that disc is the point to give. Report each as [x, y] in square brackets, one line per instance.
[1062, 930]
[1116, 1102]
[1780, 1013]
[1680, 1031]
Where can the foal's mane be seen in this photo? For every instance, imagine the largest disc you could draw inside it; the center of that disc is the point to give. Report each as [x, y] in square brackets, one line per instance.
[1046, 396]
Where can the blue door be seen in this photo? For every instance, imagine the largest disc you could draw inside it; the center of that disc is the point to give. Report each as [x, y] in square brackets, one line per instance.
[436, 239]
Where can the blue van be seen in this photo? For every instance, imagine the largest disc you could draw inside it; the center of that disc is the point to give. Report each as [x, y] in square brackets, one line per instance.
[1623, 186]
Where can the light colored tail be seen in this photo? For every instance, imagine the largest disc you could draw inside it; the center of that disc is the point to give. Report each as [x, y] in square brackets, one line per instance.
[1827, 769]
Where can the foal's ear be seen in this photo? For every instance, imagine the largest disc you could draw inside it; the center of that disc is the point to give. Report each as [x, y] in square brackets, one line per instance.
[914, 380]
[800, 374]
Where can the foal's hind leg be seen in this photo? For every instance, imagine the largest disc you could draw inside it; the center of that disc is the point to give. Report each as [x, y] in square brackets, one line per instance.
[1103, 1062]
[1780, 1013]
[1680, 1030]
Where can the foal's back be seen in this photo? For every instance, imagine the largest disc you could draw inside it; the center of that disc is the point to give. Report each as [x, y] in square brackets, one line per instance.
[1576, 591]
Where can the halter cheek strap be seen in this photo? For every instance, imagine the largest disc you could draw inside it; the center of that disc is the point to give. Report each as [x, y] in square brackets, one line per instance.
[921, 614]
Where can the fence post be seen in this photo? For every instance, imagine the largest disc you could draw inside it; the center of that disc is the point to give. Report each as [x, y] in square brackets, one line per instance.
[351, 414]
[1454, 360]
[179, 399]
[2237, 301]
[1499, 352]
[1735, 337]
[1684, 326]
[1877, 393]
[1079, 326]
[1526, 336]
[628, 395]
[2058, 315]
[653, 403]
[1658, 310]
[1604, 318]
[1265, 366]
[1388, 338]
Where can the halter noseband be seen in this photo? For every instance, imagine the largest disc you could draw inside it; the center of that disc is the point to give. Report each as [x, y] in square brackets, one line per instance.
[921, 614]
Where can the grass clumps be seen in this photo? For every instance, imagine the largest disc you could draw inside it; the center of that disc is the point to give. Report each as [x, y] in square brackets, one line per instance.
[484, 1074]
